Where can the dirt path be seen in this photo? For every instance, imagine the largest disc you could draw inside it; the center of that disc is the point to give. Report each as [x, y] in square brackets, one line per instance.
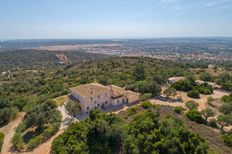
[202, 101]
[159, 102]
[45, 147]
[9, 131]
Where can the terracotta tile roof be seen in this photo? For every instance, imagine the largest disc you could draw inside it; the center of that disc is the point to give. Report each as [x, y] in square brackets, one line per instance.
[116, 91]
[92, 89]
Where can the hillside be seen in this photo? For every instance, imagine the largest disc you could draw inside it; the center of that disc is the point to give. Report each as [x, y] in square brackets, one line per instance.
[33, 92]
[36, 59]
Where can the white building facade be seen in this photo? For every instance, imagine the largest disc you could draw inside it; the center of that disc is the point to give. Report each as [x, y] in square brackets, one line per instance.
[94, 95]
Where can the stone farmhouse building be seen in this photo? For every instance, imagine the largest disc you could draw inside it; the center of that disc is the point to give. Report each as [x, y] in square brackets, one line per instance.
[95, 95]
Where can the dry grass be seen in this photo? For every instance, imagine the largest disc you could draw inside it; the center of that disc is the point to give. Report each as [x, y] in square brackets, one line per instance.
[60, 100]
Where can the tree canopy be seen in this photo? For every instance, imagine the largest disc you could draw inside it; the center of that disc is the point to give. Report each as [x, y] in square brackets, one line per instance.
[146, 133]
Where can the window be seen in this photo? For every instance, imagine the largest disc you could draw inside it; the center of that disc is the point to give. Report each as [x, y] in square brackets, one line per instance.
[87, 108]
[118, 101]
[106, 102]
[95, 102]
[91, 98]
[98, 105]
[105, 94]
[98, 97]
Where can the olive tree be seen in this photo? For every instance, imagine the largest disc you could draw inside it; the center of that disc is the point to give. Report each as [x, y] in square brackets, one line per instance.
[72, 108]
[208, 112]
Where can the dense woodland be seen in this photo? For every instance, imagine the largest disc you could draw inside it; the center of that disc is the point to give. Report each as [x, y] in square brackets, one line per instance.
[32, 92]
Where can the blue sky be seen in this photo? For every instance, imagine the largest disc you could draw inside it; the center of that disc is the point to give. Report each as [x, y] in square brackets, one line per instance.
[25, 19]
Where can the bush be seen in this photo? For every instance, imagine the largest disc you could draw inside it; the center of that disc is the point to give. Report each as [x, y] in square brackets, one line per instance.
[132, 110]
[191, 105]
[205, 89]
[193, 94]
[17, 141]
[178, 109]
[146, 96]
[195, 115]
[205, 76]
[228, 139]
[226, 108]
[227, 98]
[7, 114]
[1, 140]
[146, 105]
[213, 123]
[183, 85]
[34, 142]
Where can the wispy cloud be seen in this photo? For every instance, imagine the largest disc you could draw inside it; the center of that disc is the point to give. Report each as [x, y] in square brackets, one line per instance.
[177, 8]
[217, 4]
[172, 5]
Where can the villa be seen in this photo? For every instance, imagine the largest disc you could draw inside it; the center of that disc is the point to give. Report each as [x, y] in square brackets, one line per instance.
[95, 95]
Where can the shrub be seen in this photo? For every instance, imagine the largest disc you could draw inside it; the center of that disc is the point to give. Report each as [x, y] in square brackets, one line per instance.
[132, 110]
[193, 94]
[34, 142]
[146, 105]
[213, 123]
[205, 76]
[145, 96]
[228, 139]
[205, 89]
[183, 85]
[17, 141]
[7, 114]
[227, 98]
[191, 105]
[195, 115]
[1, 140]
[178, 109]
[226, 108]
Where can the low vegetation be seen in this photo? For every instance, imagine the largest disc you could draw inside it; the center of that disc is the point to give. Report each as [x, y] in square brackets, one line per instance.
[146, 132]
[228, 139]
[29, 89]
[1, 140]
[195, 115]
[225, 80]
[192, 88]
[193, 94]
[39, 125]
[178, 109]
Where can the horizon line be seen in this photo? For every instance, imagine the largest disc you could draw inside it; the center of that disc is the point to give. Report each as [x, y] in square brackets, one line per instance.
[116, 38]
